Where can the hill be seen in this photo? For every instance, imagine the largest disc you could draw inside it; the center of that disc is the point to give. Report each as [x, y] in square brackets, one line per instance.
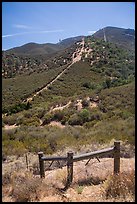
[33, 49]
[82, 95]
[124, 38]
[33, 57]
[80, 99]
[96, 58]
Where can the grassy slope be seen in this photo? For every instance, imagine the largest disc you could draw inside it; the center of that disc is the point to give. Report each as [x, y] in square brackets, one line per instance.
[16, 89]
[71, 83]
[112, 119]
[116, 123]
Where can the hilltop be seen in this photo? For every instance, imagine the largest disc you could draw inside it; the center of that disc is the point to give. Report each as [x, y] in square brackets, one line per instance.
[33, 57]
[122, 37]
[34, 49]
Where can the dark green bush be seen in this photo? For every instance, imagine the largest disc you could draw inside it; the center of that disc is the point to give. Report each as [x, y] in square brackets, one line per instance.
[75, 120]
[47, 118]
[58, 116]
[85, 103]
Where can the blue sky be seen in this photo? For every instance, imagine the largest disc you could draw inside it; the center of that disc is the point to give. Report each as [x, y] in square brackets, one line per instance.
[43, 22]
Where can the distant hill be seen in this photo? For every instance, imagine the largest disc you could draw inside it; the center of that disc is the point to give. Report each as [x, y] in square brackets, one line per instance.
[35, 48]
[70, 41]
[33, 57]
[124, 38]
[32, 49]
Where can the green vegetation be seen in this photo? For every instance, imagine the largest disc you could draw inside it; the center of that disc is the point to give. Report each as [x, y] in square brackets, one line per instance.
[112, 119]
[16, 89]
[108, 83]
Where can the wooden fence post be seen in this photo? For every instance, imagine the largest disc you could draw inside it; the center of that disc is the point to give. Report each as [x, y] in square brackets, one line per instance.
[27, 161]
[69, 169]
[41, 165]
[116, 157]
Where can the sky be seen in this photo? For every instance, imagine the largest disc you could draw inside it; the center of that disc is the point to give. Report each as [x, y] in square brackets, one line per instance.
[49, 22]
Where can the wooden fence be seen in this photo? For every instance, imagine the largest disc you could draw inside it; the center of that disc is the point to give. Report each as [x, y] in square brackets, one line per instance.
[115, 151]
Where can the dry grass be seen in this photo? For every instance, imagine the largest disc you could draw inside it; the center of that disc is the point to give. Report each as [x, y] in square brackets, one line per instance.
[24, 187]
[121, 185]
[93, 182]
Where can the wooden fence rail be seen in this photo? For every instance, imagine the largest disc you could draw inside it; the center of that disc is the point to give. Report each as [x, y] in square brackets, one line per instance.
[115, 151]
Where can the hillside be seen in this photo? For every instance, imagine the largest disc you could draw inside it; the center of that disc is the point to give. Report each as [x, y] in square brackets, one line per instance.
[102, 61]
[88, 85]
[13, 64]
[80, 99]
[34, 49]
[92, 95]
[124, 38]
[34, 57]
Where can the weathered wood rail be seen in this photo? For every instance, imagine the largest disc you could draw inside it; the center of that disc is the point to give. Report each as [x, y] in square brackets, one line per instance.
[115, 151]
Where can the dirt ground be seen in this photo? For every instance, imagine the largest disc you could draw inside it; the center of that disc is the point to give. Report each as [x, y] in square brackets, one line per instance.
[88, 183]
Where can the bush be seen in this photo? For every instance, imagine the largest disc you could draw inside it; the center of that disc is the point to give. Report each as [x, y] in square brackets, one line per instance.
[13, 147]
[85, 103]
[58, 116]
[6, 179]
[75, 120]
[40, 112]
[47, 118]
[80, 118]
[84, 115]
[9, 120]
[26, 189]
[33, 121]
[87, 85]
[120, 185]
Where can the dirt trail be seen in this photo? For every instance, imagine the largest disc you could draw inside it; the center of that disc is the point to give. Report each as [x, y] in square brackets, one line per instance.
[9, 127]
[59, 107]
[75, 58]
[55, 123]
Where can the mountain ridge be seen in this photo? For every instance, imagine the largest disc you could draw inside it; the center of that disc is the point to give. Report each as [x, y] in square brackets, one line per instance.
[33, 48]
[121, 36]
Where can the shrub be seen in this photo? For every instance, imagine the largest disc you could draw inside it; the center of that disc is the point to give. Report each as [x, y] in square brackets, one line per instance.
[13, 147]
[11, 134]
[6, 178]
[80, 189]
[26, 189]
[122, 184]
[84, 115]
[80, 118]
[58, 116]
[75, 120]
[87, 85]
[9, 120]
[40, 112]
[47, 118]
[33, 121]
[28, 114]
[85, 103]
[61, 176]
